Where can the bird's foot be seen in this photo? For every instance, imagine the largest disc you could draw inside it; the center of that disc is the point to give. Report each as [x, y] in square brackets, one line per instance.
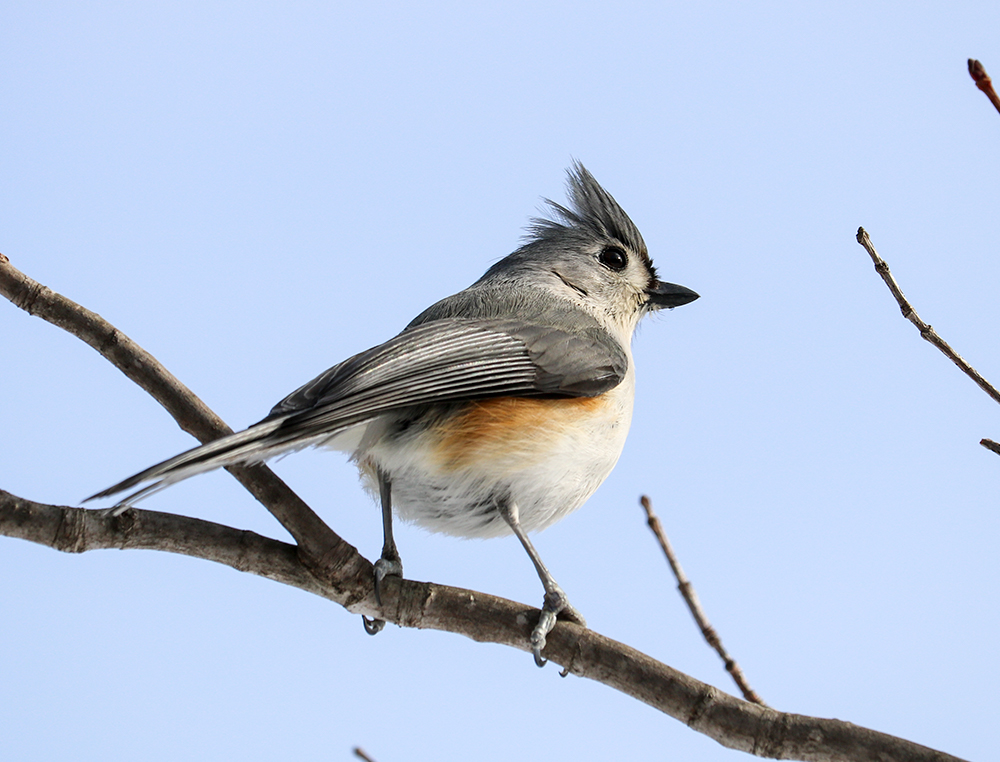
[556, 605]
[384, 567]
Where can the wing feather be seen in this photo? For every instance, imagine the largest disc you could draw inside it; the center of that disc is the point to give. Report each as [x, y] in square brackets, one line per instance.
[440, 361]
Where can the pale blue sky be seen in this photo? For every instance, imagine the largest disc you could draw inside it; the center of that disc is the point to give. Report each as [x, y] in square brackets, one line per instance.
[255, 191]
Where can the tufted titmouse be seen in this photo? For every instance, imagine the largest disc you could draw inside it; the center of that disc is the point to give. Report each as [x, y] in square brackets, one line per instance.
[499, 409]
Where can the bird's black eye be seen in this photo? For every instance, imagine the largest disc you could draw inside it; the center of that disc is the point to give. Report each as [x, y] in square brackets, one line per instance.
[614, 258]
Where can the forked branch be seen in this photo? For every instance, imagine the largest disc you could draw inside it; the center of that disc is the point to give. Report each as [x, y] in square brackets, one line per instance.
[321, 545]
[324, 564]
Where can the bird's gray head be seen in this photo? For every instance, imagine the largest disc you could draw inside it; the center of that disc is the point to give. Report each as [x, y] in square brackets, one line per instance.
[592, 254]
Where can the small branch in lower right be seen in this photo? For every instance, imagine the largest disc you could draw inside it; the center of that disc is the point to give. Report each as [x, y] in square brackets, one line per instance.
[691, 598]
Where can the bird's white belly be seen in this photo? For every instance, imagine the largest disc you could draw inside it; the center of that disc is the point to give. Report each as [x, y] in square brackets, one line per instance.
[546, 455]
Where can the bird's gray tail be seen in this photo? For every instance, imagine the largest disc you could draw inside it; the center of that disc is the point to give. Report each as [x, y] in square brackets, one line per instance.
[255, 444]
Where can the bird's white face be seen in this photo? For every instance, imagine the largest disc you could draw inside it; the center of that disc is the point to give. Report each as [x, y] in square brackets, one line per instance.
[610, 280]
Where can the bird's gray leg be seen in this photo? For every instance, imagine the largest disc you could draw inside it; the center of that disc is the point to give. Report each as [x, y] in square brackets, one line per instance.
[556, 601]
[389, 563]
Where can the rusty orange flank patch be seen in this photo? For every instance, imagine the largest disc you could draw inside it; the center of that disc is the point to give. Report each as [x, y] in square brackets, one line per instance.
[513, 430]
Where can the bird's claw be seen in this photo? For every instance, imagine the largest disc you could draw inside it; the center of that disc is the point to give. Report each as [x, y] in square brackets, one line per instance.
[384, 567]
[556, 604]
[372, 626]
[545, 624]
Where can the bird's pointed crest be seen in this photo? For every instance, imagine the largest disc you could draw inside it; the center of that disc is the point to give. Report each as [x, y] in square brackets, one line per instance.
[591, 211]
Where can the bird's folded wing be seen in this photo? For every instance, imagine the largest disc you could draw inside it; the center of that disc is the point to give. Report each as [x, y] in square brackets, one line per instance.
[441, 361]
[455, 359]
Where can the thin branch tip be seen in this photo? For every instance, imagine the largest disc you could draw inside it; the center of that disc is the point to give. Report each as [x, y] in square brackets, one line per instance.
[983, 82]
[978, 73]
[989, 444]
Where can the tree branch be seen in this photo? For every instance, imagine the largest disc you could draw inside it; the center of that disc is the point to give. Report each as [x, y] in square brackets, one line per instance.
[326, 565]
[926, 332]
[983, 82]
[77, 530]
[990, 445]
[694, 605]
[733, 723]
[327, 553]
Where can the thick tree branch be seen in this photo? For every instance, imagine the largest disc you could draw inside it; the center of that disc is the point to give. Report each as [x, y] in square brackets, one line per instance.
[324, 550]
[77, 530]
[326, 565]
[485, 618]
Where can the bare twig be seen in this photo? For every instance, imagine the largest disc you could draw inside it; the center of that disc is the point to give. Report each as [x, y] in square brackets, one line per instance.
[691, 598]
[926, 332]
[983, 82]
[989, 444]
[360, 754]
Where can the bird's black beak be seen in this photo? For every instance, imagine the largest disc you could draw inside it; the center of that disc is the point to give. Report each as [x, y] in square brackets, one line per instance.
[668, 295]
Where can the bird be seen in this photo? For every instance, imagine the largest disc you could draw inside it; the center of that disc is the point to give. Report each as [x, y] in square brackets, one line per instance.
[498, 410]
